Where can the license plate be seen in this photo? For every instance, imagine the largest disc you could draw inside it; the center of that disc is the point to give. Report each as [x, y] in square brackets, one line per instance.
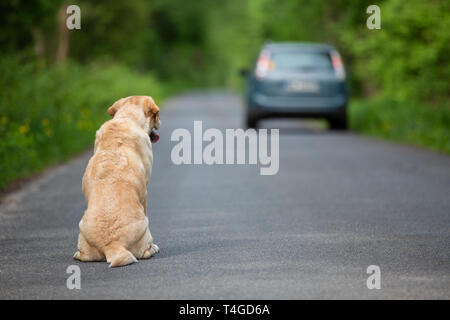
[302, 86]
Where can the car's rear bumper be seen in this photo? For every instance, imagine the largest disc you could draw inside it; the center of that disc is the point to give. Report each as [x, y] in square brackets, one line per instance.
[307, 106]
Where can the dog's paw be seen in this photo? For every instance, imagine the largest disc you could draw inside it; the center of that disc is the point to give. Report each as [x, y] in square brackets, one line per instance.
[77, 255]
[151, 251]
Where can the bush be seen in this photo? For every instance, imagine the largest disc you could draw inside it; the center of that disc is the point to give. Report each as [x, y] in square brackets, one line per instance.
[407, 60]
[48, 115]
[412, 123]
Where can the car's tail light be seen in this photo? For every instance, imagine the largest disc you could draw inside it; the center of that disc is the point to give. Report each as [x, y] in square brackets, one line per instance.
[338, 66]
[263, 65]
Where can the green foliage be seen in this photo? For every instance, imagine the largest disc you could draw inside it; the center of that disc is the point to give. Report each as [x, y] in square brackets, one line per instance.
[413, 123]
[116, 29]
[407, 60]
[163, 36]
[47, 116]
[19, 19]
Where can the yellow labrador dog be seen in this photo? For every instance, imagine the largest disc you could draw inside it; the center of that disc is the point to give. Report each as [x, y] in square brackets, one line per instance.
[115, 226]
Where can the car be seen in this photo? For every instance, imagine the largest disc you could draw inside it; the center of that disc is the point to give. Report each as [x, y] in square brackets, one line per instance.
[306, 80]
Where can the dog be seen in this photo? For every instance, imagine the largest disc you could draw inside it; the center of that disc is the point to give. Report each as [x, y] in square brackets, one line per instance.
[114, 226]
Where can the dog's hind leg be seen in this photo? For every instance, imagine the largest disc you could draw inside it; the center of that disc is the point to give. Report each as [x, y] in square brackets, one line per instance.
[117, 255]
[145, 248]
[86, 252]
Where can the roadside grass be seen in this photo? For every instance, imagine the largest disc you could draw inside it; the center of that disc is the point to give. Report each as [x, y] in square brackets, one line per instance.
[409, 123]
[48, 115]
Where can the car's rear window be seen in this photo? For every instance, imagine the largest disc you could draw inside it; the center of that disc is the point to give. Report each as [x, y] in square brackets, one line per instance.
[301, 60]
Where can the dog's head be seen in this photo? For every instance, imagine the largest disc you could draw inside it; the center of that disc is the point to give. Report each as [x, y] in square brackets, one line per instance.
[145, 106]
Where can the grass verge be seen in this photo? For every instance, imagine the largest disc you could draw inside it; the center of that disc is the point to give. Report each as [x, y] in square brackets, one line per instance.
[409, 123]
[48, 115]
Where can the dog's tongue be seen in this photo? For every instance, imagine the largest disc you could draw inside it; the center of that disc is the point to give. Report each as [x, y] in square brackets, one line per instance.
[154, 137]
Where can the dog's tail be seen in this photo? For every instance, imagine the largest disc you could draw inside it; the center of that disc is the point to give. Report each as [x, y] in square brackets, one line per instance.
[118, 256]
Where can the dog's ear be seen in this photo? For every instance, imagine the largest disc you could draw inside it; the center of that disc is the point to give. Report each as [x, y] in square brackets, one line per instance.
[152, 111]
[113, 109]
[156, 120]
[150, 107]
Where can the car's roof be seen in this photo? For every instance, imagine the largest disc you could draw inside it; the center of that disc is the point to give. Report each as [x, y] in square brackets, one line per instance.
[300, 46]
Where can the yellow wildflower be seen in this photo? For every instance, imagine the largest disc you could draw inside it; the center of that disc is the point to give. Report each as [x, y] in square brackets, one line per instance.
[48, 132]
[24, 128]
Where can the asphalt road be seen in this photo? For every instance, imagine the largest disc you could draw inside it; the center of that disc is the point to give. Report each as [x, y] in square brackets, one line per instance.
[339, 203]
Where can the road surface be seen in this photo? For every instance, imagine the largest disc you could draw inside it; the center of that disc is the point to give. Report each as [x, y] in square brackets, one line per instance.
[339, 204]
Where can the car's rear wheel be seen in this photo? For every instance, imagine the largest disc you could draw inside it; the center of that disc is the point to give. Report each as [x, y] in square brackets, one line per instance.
[339, 121]
[251, 121]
